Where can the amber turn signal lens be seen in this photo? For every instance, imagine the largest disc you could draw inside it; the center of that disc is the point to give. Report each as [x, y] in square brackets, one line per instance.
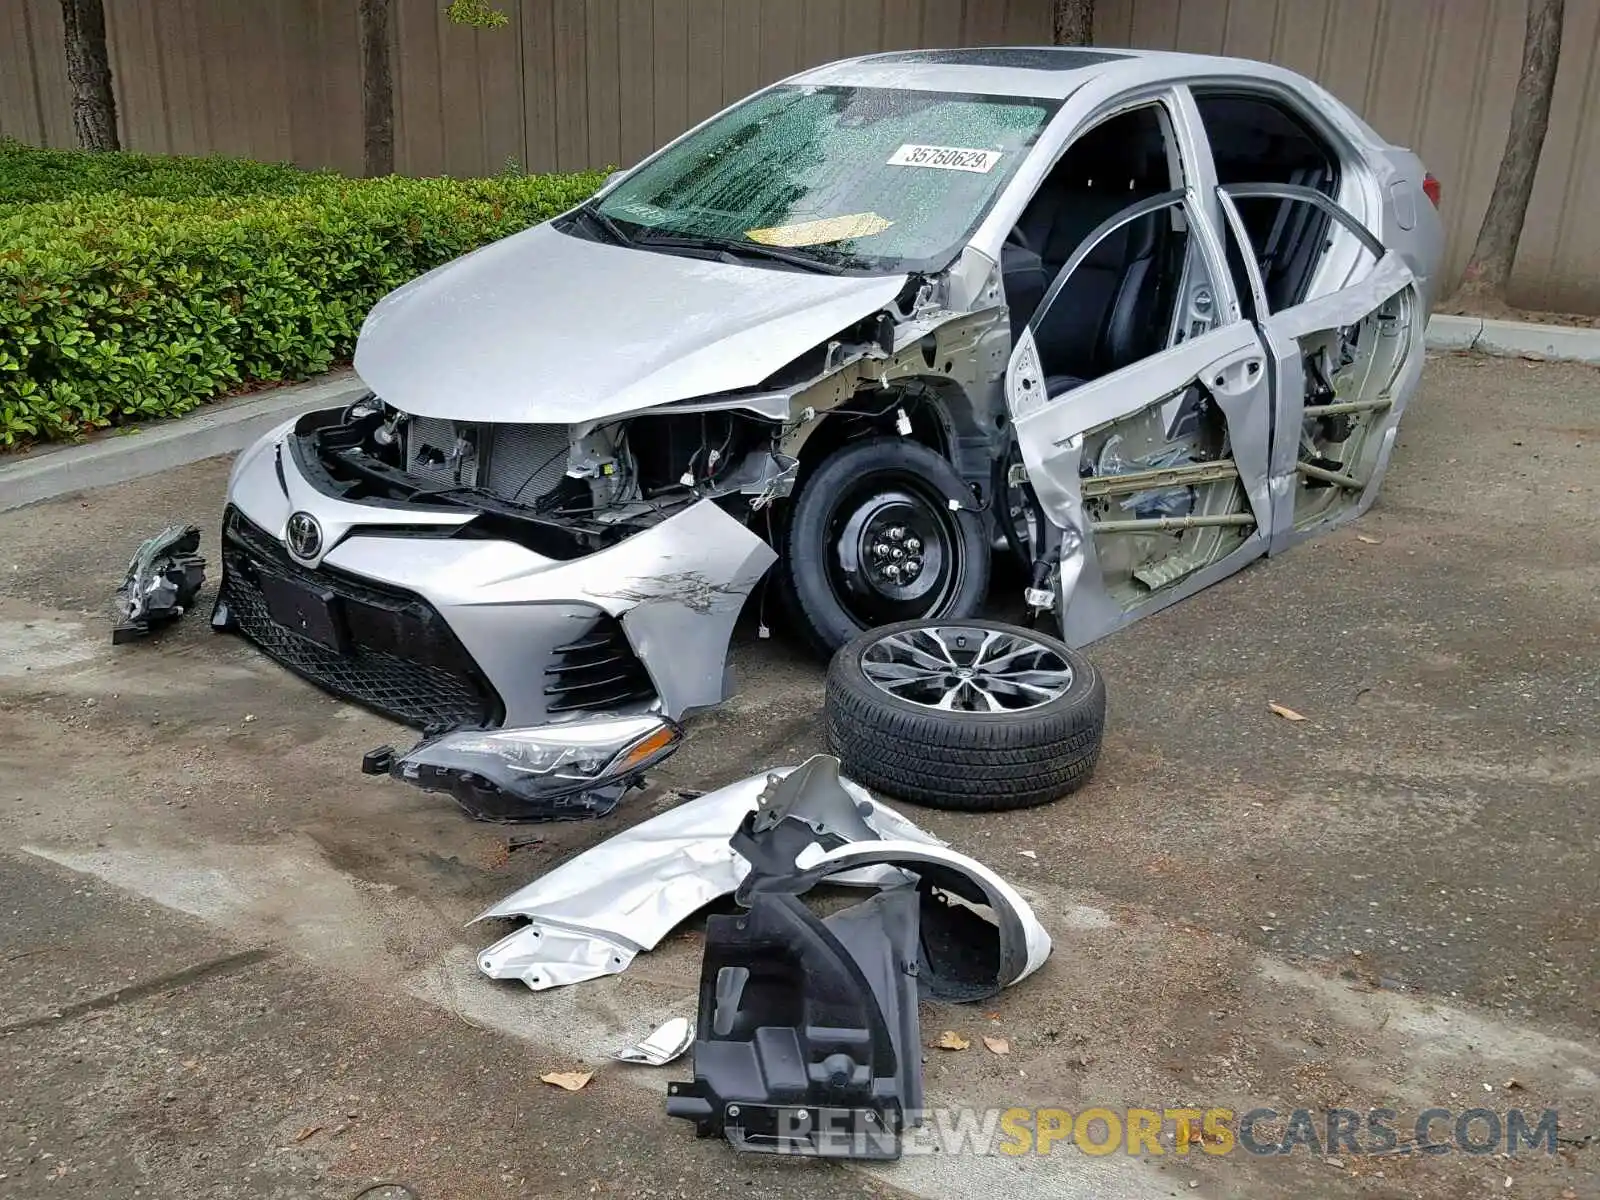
[643, 750]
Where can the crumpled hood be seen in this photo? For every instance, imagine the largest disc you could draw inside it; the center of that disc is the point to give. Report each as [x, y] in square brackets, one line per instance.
[547, 327]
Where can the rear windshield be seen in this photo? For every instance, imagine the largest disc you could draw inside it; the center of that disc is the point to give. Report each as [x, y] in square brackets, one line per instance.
[868, 178]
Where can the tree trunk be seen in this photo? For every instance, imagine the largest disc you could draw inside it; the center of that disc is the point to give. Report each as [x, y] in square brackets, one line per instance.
[1489, 268]
[1072, 22]
[377, 90]
[94, 107]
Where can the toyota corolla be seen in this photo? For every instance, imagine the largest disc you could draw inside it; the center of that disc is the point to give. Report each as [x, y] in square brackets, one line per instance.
[1135, 319]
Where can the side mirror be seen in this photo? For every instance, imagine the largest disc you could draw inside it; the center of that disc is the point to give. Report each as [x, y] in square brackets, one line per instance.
[612, 178]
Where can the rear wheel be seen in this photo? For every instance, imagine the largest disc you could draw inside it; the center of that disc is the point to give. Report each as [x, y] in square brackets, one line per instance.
[872, 539]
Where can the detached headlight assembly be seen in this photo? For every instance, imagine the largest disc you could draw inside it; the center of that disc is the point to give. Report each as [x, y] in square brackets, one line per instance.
[547, 773]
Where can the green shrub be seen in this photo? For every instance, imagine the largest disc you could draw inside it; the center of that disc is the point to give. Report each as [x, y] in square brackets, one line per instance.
[117, 308]
[29, 175]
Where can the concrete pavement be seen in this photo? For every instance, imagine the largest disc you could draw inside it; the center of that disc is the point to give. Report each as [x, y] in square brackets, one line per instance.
[1392, 902]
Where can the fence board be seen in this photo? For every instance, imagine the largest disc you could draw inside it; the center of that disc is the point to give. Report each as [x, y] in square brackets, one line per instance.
[20, 115]
[636, 69]
[602, 64]
[671, 49]
[942, 23]
[902, 24]
[741, 49]
[500, 95]
[419, 124]
[704, 49]
[581, 83]
[861, 28]
[984, 22]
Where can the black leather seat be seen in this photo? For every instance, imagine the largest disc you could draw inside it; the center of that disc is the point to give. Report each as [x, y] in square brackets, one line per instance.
[1103, 318]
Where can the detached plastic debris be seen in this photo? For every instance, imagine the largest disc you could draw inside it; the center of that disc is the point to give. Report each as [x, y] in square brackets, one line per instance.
[559, 772]
[593, 914]
[809, 1037]
[165, 576]
[661, 1047]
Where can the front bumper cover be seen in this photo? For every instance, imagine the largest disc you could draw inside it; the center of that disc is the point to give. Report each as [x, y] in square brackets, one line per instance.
[665, 600]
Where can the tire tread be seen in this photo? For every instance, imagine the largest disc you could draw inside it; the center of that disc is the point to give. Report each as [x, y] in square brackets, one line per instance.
[909, 752]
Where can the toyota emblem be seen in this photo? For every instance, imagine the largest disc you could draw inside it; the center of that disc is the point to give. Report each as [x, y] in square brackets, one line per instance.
[305, 535]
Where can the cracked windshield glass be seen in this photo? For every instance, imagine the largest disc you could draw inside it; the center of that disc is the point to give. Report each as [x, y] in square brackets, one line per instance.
[861, 178]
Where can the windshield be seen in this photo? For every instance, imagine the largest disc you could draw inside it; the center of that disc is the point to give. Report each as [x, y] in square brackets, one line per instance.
[879, 179]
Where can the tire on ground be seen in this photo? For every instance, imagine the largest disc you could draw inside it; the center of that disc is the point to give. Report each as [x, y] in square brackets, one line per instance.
[980, 762]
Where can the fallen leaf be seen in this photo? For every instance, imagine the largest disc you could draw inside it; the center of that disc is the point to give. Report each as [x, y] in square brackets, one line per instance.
[1028, 853]
[997, 1045]
[951, 1040]
[1371, 541]
[570, 1081]
[308, 1131]
[992, 1016]
[1288, 714]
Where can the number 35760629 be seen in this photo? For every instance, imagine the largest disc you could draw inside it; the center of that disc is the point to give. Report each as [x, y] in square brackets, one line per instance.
[947, 158]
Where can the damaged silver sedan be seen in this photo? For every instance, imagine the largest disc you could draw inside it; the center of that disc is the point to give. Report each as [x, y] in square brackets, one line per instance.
[1133, 318]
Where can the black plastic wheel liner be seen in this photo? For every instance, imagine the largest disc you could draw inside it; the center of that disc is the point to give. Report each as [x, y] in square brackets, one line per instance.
[808, 1039]
[964, 954]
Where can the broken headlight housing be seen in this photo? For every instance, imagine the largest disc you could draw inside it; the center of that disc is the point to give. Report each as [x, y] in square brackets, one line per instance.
[547, 773]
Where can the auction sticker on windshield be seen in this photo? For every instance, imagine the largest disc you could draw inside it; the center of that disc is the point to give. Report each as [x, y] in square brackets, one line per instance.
[946, 158]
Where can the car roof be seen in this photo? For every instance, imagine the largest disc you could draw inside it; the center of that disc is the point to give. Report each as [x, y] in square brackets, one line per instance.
[1045, 72]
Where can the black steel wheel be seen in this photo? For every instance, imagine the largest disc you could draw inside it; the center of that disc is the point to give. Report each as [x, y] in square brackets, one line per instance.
[872, 539]
[965, 714]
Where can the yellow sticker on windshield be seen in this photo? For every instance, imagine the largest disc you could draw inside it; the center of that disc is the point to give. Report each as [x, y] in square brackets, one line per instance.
[817, 233]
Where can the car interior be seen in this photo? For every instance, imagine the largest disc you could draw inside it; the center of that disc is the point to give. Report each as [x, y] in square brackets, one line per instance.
[1254, 139]
[1116, 307]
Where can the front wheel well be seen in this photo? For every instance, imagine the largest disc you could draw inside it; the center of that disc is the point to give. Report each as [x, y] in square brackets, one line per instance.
[876, 412]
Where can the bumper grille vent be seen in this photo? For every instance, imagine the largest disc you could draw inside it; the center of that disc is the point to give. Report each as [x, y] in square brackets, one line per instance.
[597, 671]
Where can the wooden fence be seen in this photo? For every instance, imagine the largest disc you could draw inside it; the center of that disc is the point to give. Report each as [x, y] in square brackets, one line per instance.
[589, 83]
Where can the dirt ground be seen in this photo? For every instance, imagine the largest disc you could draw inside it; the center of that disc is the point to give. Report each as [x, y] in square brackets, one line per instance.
[235, 967]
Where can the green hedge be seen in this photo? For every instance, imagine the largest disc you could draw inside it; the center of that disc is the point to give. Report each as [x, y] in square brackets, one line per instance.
[117, 309]
[29, 175]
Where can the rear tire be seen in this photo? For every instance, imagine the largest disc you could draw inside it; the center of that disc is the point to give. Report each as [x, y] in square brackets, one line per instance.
[871, 539]
[965, 757]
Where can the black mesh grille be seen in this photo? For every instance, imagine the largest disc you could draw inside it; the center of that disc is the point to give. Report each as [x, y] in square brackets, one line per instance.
[597, 671]
[401, 659]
